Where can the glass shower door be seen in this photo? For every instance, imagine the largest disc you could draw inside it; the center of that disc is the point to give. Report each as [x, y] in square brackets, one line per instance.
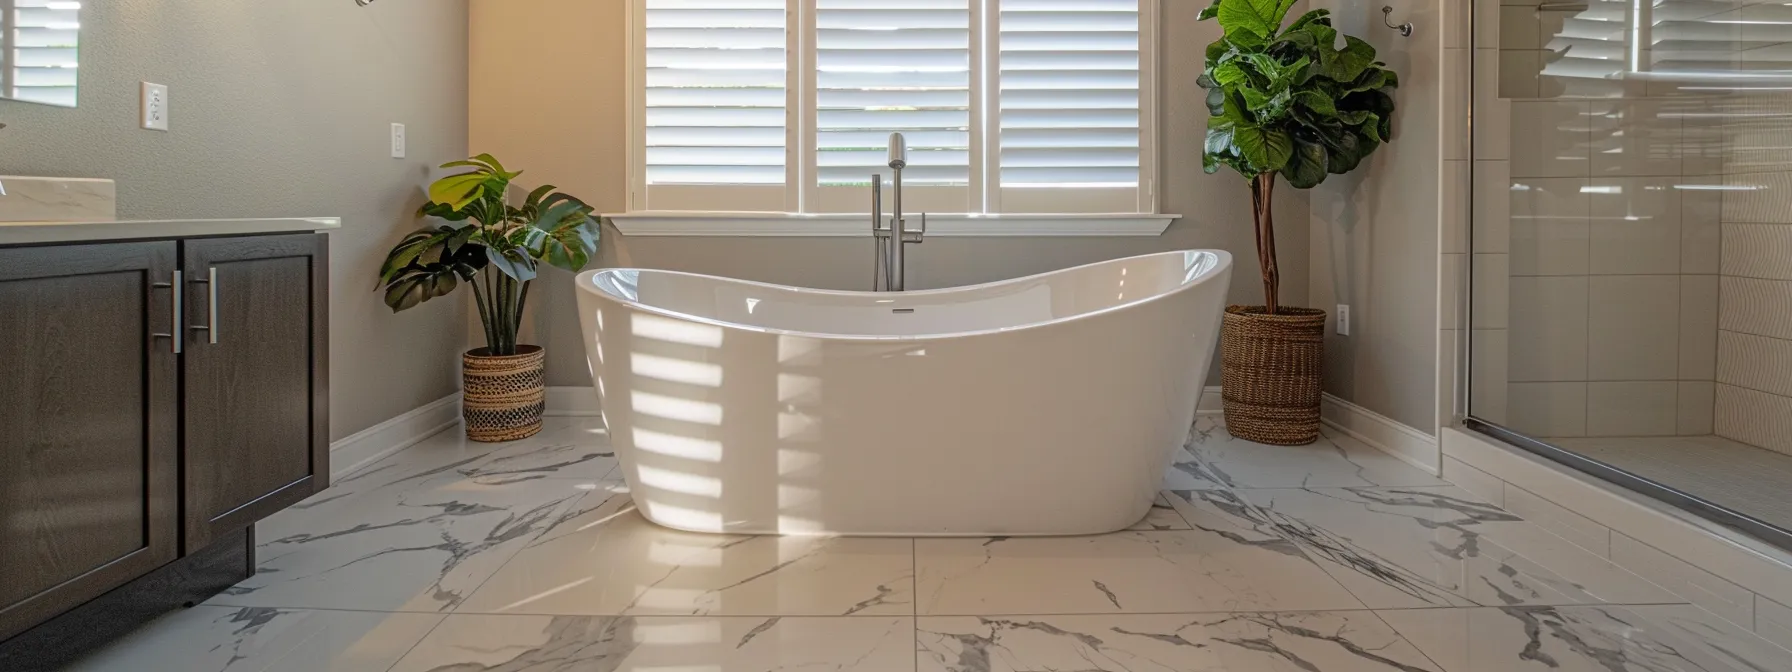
[1631, 302]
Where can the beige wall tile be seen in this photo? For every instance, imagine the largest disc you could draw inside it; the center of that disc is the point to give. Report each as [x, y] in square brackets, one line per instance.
[1548, 409]
[1697, 401]
[1758, 250]
[1492, 207]
[1773, 621]
[1764, 198]
[1755, 362]
[1550, 232]
[1633, 327]
[1453, 207]
[1493, 114]
[1635, 137]
[1701, 228]
[1698, 327]
[1755, 418]
[1488, 379]
[1492, 291]
[1754, 306]
[1549, 329]
[1550, 138]
[1635, 226]
[1632, 408]
[1479, 483]
[1577, 529]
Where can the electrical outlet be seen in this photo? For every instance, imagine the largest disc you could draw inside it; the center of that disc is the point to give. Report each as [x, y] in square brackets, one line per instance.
[155, 106]
[1343, 320]
[398, 141]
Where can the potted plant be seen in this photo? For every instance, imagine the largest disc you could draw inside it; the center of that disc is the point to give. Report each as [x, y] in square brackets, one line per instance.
[1285, 102]
[494, 246]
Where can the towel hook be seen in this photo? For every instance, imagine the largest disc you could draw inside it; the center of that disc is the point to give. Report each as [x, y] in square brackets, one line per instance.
[1387, 14]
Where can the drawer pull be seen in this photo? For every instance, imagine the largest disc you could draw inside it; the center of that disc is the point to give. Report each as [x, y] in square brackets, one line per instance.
[211, 293]
[174, 317]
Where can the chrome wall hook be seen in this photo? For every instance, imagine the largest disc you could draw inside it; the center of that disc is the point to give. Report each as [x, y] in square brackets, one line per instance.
[1387, 14]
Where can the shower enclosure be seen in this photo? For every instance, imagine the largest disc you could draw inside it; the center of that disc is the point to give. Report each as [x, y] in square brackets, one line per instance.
[1631, 275]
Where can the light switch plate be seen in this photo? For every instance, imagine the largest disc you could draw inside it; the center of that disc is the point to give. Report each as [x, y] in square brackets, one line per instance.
[155, 106]
[398, 141]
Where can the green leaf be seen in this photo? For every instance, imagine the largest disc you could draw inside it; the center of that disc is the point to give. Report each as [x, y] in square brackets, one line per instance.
[1306, 165]
[406, 293]
[1211, 11]
[456, 191]
[1267, 151]
[1321, 16]
[1318, 102]
[1262, 18]
[1346, 64]
[1230, 74]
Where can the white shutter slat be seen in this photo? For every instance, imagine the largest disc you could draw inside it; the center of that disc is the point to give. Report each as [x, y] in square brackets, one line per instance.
[886, 66]
[45, 37]
[715, 98]
[1069, 93]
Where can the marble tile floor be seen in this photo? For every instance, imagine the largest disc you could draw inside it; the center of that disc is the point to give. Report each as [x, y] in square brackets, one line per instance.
[459, 557]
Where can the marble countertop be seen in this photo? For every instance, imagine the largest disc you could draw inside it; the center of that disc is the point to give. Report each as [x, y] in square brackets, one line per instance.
[33, 233]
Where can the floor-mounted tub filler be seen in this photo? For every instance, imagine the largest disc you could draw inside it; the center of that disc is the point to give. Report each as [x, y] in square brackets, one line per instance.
[1046, 405]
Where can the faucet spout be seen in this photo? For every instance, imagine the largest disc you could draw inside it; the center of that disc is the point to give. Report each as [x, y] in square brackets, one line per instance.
[891, 241]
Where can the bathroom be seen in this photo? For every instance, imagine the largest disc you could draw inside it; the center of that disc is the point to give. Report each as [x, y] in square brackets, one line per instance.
[1552, 431]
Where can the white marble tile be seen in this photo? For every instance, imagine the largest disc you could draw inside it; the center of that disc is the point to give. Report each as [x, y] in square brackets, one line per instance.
[566, 447]
[1163, 516]
[1336, 460]
[607, 560]
[1186, 472]
[420, 543]
[1480, 483]
[1577, 529]
[257, 639]
[1716, 595]
[1440, 546]
[1679, 638]
[1773, 621]
[1224, 564]
[1340, 641]
[57, 199]
[486, 643]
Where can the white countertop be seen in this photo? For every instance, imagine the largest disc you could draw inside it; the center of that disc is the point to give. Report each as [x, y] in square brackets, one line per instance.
[33, 233]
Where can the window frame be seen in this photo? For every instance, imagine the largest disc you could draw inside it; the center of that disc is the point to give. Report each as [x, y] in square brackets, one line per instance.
[811, 209]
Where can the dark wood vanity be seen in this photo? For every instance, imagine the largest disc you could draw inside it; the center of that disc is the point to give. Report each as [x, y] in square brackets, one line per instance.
[157, 398]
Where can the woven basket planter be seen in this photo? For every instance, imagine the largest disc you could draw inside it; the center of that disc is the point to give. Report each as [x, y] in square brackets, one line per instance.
[1271, 365]
[504, 395]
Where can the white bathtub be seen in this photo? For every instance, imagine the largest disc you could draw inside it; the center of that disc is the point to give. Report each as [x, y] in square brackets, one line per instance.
[1045, 405]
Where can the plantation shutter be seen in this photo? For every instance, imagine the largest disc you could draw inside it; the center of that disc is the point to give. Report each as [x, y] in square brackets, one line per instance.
[1069, 104]
[715, 99]
[886, 66]
[42, 37]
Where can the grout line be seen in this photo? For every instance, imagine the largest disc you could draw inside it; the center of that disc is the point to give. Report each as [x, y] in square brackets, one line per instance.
[992, 614]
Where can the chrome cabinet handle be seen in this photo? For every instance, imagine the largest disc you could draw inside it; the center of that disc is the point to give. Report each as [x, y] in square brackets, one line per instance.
[211, 293]
[174, 318]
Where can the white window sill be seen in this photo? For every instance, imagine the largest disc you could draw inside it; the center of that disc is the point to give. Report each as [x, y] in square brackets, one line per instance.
[777, 224]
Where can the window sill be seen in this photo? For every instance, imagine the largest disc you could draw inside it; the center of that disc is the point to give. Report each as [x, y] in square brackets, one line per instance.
[776, 224]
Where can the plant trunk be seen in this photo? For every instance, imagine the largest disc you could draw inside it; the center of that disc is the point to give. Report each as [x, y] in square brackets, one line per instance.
[1262, 187]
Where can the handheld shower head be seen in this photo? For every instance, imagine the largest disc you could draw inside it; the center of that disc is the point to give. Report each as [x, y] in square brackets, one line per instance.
[898, 151]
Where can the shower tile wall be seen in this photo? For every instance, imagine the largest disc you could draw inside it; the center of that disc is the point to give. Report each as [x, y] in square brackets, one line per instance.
[1754, 343]
[1596, 286]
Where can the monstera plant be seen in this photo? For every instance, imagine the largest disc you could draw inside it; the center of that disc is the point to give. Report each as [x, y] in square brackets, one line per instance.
[1297, 102]
[496, 247]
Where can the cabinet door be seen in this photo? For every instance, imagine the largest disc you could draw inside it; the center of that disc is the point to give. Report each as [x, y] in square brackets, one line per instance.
[88, 423]
[255, 395]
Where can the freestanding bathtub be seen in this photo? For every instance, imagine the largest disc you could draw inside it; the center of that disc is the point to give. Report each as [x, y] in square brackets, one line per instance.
[1046, 405]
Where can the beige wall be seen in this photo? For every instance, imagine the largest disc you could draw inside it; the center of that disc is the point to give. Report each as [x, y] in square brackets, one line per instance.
[280, 108]
[547, 92]
[1375, 232]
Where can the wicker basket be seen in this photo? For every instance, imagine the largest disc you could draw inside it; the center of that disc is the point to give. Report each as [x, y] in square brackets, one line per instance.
[1272, 366]
[504, 395]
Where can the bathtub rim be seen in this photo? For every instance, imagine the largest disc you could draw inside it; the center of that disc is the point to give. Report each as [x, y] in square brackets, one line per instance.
[585, 284]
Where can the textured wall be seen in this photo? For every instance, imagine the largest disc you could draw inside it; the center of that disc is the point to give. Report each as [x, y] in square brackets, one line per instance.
[1376, 233]
[572, 134]
[280, 108]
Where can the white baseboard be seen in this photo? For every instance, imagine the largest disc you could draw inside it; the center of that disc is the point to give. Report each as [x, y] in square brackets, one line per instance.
[356, 451]
[573, 402]
[1211, 401]
[1410, 445]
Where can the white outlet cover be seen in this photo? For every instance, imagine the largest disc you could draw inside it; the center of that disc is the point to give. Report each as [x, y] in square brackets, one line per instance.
[155, 106]
[1343, 320]
[398, 141]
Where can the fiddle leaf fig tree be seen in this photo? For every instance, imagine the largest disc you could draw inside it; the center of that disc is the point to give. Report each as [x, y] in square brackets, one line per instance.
[1289, 101]
[490, 243]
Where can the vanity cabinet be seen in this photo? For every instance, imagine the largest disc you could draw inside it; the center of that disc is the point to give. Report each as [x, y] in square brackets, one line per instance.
[156, 399]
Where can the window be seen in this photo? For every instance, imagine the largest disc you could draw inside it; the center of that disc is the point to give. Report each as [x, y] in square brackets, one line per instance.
[38, 43]
[1008, 106]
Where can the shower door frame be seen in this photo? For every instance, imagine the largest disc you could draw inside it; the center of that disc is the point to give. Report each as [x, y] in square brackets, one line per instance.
[1464, 362]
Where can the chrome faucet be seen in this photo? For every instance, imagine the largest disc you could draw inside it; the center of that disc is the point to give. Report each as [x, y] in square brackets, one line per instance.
[892, 240]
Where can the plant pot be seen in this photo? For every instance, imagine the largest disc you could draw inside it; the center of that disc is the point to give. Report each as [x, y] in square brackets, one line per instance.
[504, 395]
[1271, 365]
